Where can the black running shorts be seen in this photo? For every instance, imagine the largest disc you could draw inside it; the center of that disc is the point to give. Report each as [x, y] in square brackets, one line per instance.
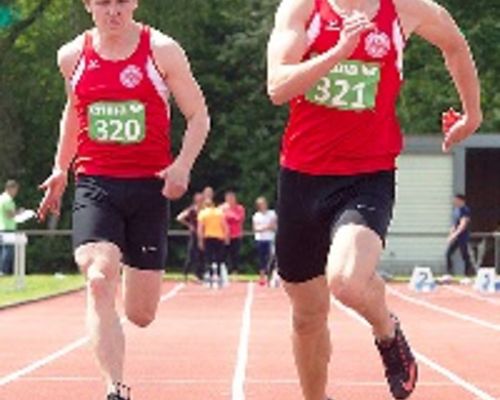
[311, 208]
[131, 213]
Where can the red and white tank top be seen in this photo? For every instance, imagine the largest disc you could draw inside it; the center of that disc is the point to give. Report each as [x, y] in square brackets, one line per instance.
[123, 113]
[347, 124]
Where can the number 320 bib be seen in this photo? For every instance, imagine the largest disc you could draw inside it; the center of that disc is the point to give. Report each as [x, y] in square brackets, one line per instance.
[117, 122]
[350, 85]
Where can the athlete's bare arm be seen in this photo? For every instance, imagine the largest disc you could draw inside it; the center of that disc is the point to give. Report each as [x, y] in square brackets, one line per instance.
[433, 23]
[182, 218]
[174, 66]
[287, 75]
[55, 184]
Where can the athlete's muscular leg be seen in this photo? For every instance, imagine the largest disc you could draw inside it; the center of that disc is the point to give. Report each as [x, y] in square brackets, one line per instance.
[311, 338]
[100, 262]
[141, 294]
[354, 254]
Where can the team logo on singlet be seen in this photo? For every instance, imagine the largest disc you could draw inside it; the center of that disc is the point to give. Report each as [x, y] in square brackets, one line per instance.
[131, 76]
[377, 44]
[93, 65]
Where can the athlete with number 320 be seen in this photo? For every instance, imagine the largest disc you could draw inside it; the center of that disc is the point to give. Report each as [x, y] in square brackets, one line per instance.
[339, 63]
[115, 129]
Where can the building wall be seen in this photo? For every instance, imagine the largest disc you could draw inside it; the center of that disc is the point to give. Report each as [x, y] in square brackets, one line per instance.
[422, 213]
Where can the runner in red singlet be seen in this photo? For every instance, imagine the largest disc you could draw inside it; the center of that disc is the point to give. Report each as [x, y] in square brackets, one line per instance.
[115, 132]
[340, 65]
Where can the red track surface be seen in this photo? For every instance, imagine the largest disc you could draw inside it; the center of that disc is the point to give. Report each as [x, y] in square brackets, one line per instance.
[198, 342]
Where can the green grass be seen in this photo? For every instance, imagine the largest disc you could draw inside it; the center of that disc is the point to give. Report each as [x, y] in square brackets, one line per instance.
[40, 286]
[37, 286]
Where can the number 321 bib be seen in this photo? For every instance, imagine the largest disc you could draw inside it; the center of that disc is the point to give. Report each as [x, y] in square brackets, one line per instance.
[351, 85]
[121, 122]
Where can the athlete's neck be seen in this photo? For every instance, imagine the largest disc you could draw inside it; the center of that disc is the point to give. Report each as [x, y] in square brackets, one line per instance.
[348, 6]
[117, 45]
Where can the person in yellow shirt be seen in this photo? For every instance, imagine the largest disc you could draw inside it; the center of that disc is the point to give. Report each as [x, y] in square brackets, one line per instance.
[213, 235]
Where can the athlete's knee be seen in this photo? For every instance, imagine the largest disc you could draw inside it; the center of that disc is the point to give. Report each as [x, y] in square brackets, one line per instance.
[101, 286]
[348, 290]
[101, 269]
[102, 256]
[310, 319]
[141, 318]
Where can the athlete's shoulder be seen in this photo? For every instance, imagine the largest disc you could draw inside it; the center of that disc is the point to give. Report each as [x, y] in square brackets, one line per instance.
[164, 44]
[414, 13]
[294, 11]
[168, 53]
[69, 54]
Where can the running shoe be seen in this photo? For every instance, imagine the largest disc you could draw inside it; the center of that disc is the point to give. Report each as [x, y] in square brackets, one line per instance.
[122, 392]
[400, 366]
[114, 396]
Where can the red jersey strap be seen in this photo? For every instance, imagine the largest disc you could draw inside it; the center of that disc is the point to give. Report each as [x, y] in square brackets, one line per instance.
[325, 6]
[386, 7]
[145, 41]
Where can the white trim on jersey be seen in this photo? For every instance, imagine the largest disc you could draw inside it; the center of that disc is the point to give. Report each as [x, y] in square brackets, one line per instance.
[77, 75]
[399, 43]
[158, 82]
[314, 29]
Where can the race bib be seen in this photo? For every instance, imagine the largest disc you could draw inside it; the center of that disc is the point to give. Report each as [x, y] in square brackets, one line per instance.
[117, 122]
[350, 85]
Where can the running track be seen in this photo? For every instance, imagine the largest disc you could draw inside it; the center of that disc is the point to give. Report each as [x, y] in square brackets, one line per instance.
[234, 344]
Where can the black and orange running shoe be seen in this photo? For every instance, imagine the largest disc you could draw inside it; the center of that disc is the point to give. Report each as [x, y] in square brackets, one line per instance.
[401, 368]
[121, 392]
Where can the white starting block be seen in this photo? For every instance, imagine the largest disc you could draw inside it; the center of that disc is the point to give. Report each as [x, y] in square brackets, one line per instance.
[422, 280]
[486, 280]
[19, 240]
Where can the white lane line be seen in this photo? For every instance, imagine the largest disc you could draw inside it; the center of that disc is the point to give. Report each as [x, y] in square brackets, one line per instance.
[480, 394]
[44, 361]
[67, 349]
[444, 310]
[238, 387]
[172, 292]
[475, 296]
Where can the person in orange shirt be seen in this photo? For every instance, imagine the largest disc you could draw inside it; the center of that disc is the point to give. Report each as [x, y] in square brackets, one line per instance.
[213, 235]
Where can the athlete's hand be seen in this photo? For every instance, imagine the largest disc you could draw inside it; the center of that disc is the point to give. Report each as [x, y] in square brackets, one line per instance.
[53, 187]
[354, 25]
[457, 127]
[176, 178]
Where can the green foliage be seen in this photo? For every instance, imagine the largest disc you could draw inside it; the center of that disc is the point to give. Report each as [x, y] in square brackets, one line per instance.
[226, 42]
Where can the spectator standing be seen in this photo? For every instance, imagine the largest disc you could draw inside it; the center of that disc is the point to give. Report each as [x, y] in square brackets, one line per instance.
[8, 224]
[213, 234]
[459, 235]
[234, 214]
[194, 256]
[264, 227]
[208, 193]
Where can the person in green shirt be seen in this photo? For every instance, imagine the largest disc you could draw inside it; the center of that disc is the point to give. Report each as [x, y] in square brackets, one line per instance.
[8, 223]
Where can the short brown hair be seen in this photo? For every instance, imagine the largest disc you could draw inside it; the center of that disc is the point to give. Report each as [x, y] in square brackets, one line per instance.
[11, 184]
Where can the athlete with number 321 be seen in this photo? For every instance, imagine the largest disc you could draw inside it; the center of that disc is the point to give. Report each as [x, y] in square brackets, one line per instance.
[116, 129]
[340, 65]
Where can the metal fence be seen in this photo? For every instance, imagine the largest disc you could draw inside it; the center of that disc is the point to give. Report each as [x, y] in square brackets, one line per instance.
[483, 245]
